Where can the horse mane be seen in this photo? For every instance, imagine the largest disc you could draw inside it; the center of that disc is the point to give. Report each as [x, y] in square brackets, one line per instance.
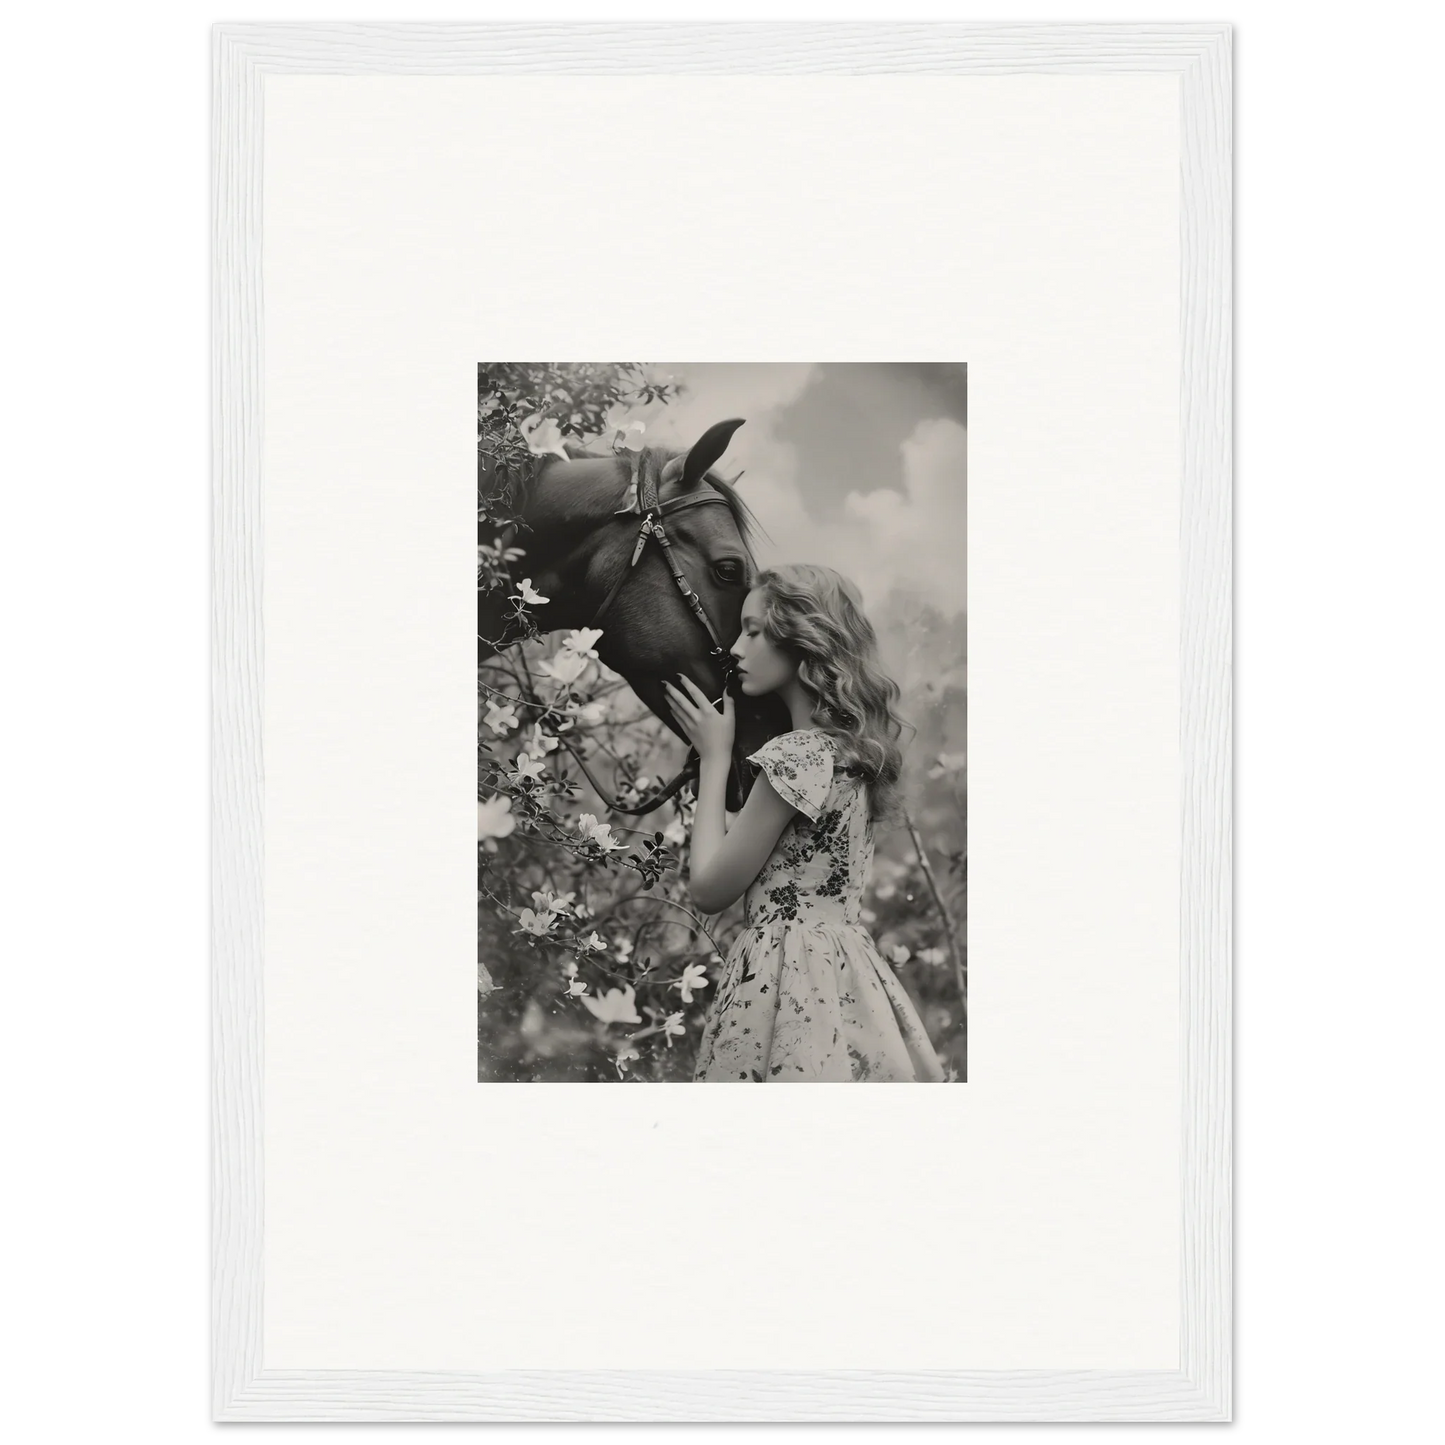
[742, 515]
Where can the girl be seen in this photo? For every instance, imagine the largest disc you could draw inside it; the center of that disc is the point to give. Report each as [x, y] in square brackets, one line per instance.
[804, 994]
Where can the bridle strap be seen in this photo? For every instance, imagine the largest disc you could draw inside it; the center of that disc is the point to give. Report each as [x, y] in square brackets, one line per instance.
[650, 803]
[642, 497]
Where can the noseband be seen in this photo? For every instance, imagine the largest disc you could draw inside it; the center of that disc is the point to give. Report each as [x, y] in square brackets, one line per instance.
[642, 499]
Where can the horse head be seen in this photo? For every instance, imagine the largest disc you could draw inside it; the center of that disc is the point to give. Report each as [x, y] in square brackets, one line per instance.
[583, 516]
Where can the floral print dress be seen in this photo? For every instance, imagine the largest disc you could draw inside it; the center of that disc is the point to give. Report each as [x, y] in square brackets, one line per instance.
[804, 995]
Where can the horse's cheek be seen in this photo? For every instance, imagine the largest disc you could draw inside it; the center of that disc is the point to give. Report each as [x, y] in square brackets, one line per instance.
[726, 604]
[645, 643]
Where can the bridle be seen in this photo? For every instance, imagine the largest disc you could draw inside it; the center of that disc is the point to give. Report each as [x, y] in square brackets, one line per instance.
[642, 499]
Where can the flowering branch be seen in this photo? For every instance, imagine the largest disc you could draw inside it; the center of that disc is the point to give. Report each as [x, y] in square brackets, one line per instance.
[960, 966]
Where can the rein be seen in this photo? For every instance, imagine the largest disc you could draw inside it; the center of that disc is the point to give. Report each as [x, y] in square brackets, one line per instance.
[642, 499]
[648, 804]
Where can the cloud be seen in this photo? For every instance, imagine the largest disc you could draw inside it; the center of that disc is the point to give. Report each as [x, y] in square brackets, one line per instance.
[919, 538]
[912, 540]
[715, 392]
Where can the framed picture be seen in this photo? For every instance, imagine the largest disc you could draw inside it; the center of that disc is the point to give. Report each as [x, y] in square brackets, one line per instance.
[837, 950]
[851, 663]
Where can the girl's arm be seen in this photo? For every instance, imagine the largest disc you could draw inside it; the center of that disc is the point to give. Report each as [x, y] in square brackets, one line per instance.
[724, 860]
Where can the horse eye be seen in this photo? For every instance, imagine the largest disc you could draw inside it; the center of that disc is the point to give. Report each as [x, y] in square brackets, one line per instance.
[728, 570]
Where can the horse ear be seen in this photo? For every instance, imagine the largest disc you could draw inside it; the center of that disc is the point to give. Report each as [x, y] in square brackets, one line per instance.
[706, 450]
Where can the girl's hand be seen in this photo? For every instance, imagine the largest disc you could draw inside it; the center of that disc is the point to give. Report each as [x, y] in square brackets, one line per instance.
[708, 730]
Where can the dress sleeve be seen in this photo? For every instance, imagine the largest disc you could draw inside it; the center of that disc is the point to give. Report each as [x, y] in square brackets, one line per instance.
[800, 768]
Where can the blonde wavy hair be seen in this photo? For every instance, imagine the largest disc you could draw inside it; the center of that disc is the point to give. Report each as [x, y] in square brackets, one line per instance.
[815, 615]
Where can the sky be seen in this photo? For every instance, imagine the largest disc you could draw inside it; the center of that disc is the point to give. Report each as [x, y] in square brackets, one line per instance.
[859, 466]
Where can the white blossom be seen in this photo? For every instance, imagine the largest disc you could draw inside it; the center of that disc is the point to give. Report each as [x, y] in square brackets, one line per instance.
[545, 439]
[602, 837]
[694, 976]
[616, 1006]
[527, 593]
[623, 439]
[593, 714]
[494, 818]
[528, 769]
[583, 641]
[501, 717]
[564, 669]
[539, 925]
[598, 833]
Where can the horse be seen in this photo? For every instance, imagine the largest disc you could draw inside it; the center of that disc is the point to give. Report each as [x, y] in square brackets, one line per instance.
[587, 524]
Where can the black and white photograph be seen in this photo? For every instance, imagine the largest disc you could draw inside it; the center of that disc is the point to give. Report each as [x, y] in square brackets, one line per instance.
[722, 723]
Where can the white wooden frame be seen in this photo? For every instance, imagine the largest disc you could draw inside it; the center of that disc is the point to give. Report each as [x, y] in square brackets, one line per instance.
[1200, 1390]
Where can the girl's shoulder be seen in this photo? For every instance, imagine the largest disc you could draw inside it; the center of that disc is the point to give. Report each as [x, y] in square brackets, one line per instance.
[814, 743]
[806, 737]
[802, 745]
[799, 765]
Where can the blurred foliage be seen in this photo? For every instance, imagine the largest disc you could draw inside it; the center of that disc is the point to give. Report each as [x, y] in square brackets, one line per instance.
[591, 962]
